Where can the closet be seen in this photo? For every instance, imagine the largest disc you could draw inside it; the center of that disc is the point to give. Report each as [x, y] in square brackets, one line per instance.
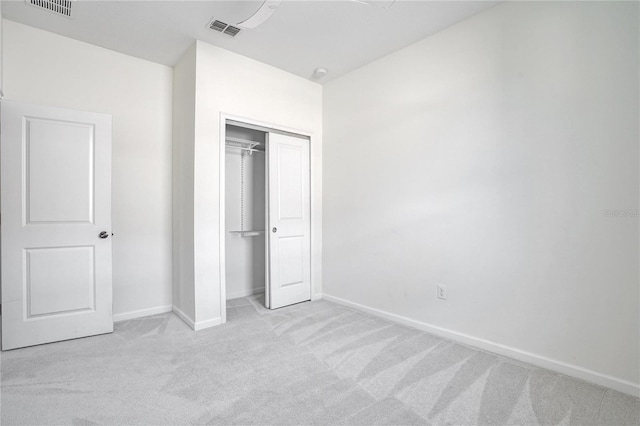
[267, 214]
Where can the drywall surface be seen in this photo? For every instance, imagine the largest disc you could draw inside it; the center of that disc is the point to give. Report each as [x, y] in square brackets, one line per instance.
[499, 158]
[184, 107]
[47, 69]
[228, 83]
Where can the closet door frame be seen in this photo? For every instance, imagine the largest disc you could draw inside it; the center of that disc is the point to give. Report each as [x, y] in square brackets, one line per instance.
[263, 126]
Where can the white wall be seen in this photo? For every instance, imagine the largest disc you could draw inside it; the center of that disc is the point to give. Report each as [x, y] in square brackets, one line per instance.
[227, 83]
[47, 69]
[184, 107]
[484, 158]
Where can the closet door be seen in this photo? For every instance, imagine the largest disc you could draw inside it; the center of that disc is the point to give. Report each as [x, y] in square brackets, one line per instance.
[289, 221]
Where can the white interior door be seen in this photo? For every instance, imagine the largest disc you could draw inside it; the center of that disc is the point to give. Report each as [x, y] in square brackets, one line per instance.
[55, 224]
[289, 221]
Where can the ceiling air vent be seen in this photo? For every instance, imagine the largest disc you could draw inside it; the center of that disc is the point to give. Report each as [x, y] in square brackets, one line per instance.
[232, 31]
[60, 7]
[221, 27]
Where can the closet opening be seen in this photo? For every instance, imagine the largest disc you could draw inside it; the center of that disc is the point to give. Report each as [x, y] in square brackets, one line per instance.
[245, 209]
[265, 212]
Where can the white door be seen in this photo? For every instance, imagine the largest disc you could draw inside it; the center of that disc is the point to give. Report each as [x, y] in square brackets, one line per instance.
[289, 221]
[55, 224]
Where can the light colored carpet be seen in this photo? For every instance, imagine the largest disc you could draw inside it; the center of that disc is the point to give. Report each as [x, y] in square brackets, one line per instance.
[312, 363]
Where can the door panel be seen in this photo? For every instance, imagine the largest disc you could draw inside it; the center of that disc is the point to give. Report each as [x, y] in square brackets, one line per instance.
[291, 251]
[289, 180]
[289, 221]
[59, 171]
[56, 199]
[59, 280]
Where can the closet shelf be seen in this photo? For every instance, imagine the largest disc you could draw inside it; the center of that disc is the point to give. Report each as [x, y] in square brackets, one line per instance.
[247, 233]
[243, 144]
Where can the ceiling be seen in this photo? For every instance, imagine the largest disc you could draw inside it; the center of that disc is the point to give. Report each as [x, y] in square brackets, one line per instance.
[298, 37]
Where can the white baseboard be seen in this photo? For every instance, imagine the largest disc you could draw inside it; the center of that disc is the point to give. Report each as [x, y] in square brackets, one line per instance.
[184, 317]
[611, 382]
[245, 293]
[141, 313]
[199, 325]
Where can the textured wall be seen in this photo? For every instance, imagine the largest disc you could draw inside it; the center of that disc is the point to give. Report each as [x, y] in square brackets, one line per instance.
[486, 158]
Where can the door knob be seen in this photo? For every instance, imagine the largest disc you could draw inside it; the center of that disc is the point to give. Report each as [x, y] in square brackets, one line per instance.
[103, 234]
[274, 230]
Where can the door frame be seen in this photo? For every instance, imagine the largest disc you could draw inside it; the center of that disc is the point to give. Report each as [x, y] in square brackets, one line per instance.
[224, 117]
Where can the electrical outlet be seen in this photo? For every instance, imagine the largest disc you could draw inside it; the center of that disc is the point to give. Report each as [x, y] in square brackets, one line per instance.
[442, 292]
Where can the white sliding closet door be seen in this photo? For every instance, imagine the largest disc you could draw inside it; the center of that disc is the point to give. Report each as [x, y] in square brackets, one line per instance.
[289, 221]
[56, 224]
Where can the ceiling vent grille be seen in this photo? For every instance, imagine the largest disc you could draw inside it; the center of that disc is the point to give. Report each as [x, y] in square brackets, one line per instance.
[221, 27]
[60, 7]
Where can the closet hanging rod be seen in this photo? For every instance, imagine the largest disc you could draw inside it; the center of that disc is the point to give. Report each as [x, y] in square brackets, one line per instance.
[246, 149]
[242, 143]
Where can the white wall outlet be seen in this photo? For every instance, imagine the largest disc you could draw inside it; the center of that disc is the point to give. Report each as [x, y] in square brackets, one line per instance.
[442, 292]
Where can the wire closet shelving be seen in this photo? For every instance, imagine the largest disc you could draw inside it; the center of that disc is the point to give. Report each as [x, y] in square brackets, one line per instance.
[249, 147]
